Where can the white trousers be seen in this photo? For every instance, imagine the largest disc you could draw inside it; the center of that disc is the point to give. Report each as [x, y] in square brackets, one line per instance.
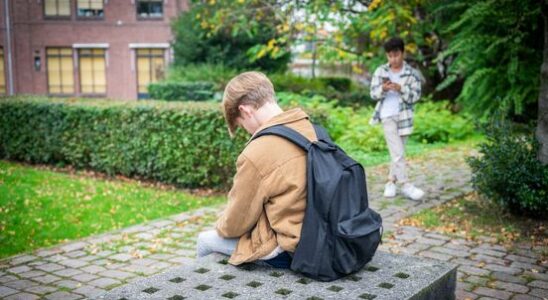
[396, 147]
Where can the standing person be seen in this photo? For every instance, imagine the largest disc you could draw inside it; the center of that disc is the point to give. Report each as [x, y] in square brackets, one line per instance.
[265, 211]
[396, 87]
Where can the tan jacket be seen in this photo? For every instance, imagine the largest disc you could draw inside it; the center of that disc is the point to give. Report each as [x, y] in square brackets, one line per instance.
[267, 201]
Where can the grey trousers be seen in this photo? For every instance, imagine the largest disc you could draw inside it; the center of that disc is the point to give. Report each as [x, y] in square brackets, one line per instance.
[396, 147]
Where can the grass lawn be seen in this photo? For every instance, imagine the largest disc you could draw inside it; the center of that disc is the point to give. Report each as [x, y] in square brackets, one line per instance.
[472, 216]
[39, 207]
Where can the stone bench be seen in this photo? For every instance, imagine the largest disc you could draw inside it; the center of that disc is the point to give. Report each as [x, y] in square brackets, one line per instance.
[387, 276]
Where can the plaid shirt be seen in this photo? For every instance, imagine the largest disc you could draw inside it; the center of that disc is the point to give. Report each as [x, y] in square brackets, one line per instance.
[410, 94]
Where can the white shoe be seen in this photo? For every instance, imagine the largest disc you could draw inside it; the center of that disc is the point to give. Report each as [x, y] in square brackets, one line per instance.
[412, 192]
[390, 190]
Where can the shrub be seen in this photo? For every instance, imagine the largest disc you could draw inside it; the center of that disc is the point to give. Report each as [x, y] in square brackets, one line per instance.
[347, 127]
[434, 122]
[508, 171]
[216, 73]
[288, 82]
[186, 143]
[179, 91]
[341, 84]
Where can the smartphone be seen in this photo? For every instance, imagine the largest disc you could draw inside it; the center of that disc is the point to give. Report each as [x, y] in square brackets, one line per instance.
[385, 80]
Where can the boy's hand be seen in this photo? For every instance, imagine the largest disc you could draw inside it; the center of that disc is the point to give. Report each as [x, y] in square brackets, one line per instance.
[386, 86]
[394, 86]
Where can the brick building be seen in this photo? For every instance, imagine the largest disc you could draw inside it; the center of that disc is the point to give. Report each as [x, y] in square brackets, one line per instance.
[85, 48]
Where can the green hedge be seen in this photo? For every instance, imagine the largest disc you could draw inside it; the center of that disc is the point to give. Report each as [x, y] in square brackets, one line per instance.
[180, 143]
[508, 171]
[181, 91]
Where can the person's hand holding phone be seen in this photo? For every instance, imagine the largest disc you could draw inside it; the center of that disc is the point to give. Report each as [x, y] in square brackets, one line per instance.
[386, 84]
[395, 87]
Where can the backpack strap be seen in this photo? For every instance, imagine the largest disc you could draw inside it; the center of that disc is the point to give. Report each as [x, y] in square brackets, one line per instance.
[287, 133]
[322, 134]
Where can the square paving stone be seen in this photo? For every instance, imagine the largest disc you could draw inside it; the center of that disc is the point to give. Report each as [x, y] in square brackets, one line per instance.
[123, 257]
[31, 274]
[73, 263]
[51, 267]
[93, 269]
[67, 272]
[76, 254]
[73, 246]
[48, 252]
[41, 289]
[7, 278]
[63, 296]
[22, 296]
[69, 284]
[6, 291]
[20, 284]
[18, 270]
[22, 259]
[104, 282]
[46, 278]
[85, 277]
[116, 274]
[89, 291]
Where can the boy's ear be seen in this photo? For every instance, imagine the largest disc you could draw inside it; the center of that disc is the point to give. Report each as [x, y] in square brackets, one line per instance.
[245, 110]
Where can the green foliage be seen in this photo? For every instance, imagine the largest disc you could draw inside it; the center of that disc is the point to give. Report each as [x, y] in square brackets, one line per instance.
[203, 35]
[508, 171]
[351, 129]
[182, 143]
[288, 82]
[346, 92]
[180, 91]
[217, 73]
[434, 122]
[497, 49]
[341, 84]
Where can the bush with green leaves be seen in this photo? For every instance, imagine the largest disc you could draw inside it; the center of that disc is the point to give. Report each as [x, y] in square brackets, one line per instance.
[346, 92]
[182, 143]
[434, 122]
[508, 171]
[182, 91]
[346, 126]
[219, 74]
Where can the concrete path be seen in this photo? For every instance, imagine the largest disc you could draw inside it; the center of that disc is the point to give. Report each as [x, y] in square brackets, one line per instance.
[91, 266]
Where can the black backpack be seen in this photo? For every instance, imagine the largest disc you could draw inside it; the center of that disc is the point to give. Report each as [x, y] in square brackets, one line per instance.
[340, 233]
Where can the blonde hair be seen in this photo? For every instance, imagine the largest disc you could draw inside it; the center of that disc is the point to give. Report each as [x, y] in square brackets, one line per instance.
[250, 88]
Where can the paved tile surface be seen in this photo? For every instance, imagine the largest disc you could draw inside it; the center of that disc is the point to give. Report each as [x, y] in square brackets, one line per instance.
[88, 267]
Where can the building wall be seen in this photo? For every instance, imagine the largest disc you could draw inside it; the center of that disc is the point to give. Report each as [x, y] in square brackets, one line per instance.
[32, 33]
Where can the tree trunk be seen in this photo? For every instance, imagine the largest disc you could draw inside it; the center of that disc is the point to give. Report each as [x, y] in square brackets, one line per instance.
[542, 126]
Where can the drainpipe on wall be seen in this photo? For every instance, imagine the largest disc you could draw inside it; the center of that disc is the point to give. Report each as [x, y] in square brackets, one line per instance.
[8, 36]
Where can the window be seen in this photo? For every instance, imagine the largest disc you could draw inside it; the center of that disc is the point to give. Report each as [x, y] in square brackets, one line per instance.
[2, 74]
[57, 8]
[150, 68]
[60, 71]
[92, 71]
[150, 8]
[89, 8]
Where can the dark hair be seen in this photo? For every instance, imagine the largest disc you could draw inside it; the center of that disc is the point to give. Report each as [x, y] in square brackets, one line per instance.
[394, 44]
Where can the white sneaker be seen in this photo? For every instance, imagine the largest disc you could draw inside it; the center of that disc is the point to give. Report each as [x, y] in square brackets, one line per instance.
[412, 192]
[390, 190]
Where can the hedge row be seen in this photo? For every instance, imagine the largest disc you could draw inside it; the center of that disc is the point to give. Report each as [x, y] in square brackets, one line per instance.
[184, 143]
[182, 91]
